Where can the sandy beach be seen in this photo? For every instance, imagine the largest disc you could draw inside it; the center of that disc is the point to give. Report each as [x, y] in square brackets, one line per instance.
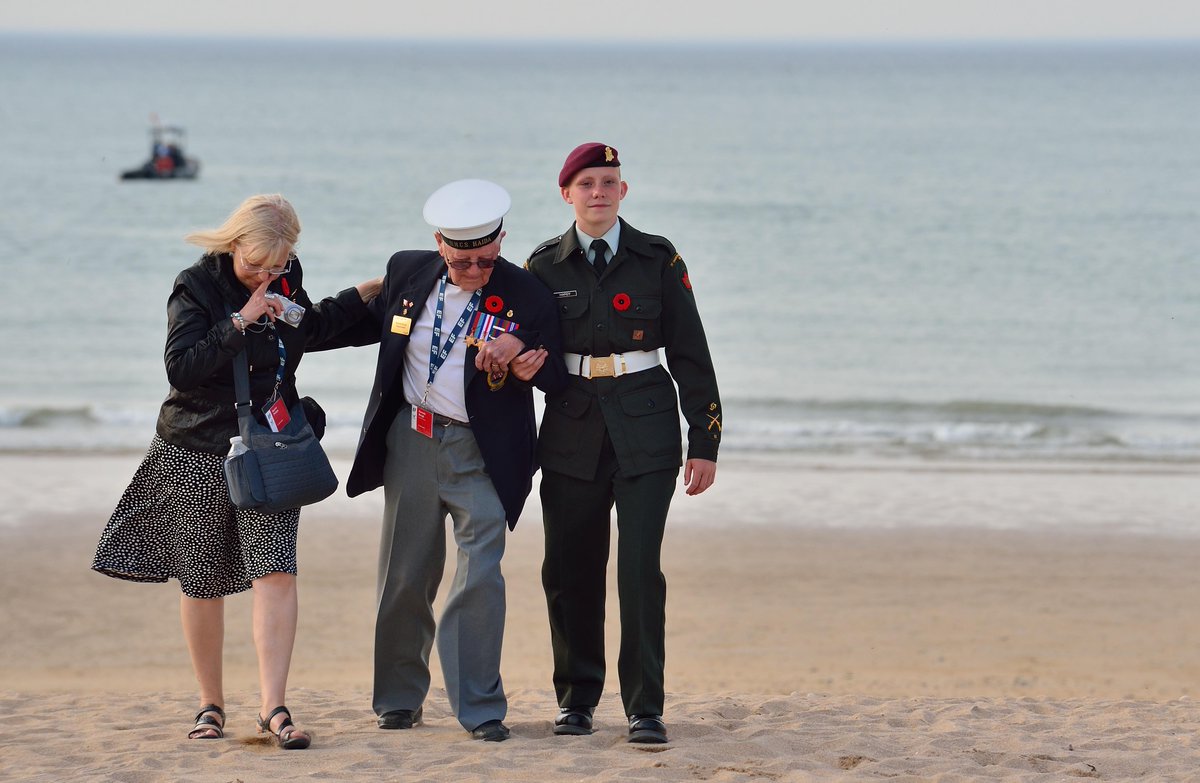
[826, 621]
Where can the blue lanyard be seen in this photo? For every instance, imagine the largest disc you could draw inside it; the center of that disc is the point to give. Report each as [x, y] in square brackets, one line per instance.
[438, 357]
[282, 362]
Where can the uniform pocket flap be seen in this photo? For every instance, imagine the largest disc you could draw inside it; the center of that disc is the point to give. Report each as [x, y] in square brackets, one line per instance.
[652, 399]
[572, 307]
[573, 402]
[644, 307]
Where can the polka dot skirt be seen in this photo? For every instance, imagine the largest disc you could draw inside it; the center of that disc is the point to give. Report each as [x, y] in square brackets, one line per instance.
[175, 521]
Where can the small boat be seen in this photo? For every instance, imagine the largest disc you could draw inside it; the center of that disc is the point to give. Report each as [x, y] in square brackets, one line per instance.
[167, 157]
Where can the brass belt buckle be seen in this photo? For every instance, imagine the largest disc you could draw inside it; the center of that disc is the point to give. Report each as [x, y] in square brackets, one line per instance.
[601, 367]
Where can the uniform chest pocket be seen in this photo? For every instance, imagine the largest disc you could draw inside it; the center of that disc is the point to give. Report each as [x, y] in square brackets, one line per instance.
[637, 322]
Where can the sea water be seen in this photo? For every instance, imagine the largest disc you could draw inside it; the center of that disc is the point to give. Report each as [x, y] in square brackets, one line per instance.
[924, 251]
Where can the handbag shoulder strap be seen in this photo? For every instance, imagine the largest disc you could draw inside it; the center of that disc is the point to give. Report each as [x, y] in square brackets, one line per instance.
[241, 378]
[241, 390]
[241, 387]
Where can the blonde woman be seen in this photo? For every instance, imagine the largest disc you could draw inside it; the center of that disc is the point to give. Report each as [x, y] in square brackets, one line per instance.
[175, 519]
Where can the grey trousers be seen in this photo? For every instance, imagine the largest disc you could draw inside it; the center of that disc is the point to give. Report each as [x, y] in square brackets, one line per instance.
[426, 479]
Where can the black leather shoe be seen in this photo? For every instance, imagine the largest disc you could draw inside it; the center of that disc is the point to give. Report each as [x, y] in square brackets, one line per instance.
[492, 731]
[647, 728]
[574, 720]
[400, 719]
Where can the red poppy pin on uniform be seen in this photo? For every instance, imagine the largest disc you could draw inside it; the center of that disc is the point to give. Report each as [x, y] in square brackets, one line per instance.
[621, 302]
[493, 304]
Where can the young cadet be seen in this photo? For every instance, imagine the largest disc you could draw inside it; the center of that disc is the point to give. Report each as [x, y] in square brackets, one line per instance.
[613, 437]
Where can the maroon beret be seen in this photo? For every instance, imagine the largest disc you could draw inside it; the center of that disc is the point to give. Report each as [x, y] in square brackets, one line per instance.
[585, 156]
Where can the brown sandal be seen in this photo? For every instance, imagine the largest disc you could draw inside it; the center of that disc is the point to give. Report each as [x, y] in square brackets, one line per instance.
[287, 736]
[208, 727]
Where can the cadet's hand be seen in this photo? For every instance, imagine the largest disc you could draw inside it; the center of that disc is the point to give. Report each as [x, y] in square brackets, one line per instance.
[699, 475]
[494, 355]
[527, 364]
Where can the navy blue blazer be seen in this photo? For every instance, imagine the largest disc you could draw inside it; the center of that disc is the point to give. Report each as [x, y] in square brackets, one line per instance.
[502, 420]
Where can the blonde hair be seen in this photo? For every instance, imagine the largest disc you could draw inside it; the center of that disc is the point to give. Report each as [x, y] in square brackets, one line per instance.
[267, 223]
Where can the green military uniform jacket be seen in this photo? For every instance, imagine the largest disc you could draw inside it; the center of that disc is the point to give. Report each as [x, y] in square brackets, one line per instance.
[642, 302]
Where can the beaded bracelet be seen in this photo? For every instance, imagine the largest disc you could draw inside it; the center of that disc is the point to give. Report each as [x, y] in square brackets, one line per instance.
[241, 321]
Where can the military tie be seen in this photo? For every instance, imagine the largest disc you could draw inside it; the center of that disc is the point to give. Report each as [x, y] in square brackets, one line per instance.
[601, 262]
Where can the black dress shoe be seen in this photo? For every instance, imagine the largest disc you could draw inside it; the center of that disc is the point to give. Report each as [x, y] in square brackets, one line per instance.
[574, 720]
[400, 719]
[492, 731]
[647, 728]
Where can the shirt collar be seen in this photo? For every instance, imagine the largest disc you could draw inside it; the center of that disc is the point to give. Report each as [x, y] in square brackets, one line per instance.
[611, 237]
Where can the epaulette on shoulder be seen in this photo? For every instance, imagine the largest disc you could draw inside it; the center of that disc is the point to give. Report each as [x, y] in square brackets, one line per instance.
[549, 243]
[655, 239]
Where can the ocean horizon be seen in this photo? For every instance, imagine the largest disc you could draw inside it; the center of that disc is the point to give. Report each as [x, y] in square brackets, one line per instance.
[905, 251]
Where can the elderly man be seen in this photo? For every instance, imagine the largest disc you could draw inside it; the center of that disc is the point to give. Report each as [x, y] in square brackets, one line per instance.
[450, 431]
[612, 438]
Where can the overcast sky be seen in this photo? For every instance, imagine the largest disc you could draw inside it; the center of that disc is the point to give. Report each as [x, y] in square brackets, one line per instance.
[619, 19]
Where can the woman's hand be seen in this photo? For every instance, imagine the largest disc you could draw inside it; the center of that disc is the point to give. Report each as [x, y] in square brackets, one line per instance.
[259, 304]
[369, 289]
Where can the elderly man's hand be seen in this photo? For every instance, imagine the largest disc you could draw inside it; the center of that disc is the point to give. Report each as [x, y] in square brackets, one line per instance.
[494, 355]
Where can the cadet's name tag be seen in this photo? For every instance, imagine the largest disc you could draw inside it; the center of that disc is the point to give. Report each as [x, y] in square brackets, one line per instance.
[401, 324]
[422, 421]
[566, 294]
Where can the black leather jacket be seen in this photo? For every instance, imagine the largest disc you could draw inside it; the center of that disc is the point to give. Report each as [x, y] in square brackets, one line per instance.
[202, 341]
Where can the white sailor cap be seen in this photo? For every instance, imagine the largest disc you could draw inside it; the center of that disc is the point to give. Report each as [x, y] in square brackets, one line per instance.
[468, 213]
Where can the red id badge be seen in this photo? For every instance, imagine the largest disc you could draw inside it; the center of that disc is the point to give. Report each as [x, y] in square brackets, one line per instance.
[277, 415]
[422, 421]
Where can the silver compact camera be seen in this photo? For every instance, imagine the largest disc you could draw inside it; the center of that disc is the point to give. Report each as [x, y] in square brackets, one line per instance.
[292, 312]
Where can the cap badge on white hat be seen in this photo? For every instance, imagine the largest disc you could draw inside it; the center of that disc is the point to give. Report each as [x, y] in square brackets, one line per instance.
[468, 213]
